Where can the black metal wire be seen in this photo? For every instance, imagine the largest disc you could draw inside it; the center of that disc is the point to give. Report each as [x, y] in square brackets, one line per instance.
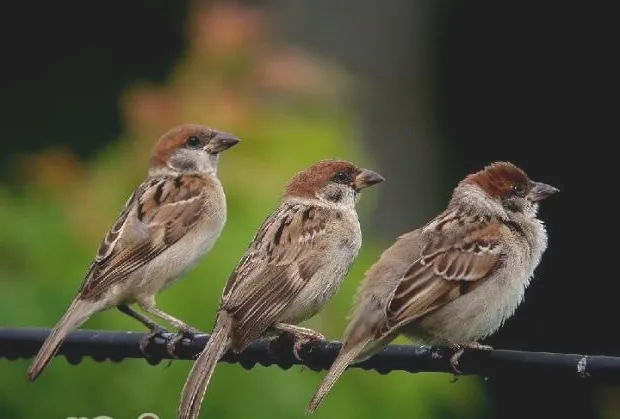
[117, 346]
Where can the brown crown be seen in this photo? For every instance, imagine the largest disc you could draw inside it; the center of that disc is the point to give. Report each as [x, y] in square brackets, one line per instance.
[497, 178]
[305, 183]
[174, 139]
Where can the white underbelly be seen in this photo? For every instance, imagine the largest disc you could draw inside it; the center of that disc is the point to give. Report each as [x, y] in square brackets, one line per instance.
[325, 282]
[180, 258]
[475, 315]
[169, 266]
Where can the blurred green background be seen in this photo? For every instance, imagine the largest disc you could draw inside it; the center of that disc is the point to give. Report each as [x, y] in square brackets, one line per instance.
[287, 107]
[422, 91]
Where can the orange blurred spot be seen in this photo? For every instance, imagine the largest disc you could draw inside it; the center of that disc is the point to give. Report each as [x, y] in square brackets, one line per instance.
[56, 170]
[224, 27]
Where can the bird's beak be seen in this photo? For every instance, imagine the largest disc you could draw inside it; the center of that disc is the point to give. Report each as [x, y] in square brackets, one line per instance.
[220, 142]
[367, 178]
[541, 191]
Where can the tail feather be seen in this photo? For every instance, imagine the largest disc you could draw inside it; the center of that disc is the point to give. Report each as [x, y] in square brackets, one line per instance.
[76, 314]
[198, 379]
[346, 357]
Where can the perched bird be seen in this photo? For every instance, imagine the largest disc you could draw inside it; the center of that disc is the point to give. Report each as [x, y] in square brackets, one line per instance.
[170, 221]
[294, 264]
[455, 280]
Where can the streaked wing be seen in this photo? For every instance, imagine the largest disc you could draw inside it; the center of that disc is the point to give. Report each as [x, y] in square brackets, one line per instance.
[450, 266]
[282, 258]
[158, 214]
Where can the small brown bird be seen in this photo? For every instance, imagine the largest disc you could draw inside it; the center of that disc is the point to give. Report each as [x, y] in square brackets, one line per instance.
[168, 224]
[294, 264]
[455, 280]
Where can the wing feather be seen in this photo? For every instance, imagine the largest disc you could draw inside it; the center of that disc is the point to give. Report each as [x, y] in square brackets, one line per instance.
[450, 266]
[157, 215]
[278, 264]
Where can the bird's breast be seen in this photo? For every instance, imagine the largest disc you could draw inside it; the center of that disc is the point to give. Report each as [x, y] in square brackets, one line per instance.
[482, 311]
[183, 255]
[340, 249]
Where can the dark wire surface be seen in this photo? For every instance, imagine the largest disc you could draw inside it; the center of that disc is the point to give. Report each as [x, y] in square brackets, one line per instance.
[116, 346]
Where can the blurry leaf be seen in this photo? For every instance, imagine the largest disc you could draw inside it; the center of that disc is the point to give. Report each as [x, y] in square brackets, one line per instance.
[284, 106]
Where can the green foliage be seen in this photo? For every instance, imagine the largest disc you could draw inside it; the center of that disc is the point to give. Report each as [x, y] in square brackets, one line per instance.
[52, 228]
[43, 259]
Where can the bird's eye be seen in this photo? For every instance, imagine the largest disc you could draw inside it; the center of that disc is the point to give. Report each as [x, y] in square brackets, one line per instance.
[519, 189]
[193, 142]
[341, 177]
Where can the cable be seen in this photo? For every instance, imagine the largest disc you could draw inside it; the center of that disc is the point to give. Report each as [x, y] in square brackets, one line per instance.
[116, 346]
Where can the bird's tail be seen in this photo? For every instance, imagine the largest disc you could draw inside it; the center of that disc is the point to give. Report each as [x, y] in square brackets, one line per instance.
[200, 374]
[76, 314]
[345, 357]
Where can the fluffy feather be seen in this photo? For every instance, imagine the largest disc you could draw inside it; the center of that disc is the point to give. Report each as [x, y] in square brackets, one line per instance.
[455, 280]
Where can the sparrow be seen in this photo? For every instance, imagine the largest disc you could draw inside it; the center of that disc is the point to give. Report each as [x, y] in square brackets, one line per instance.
[455, 280]
[167, 225]
[293, 266]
